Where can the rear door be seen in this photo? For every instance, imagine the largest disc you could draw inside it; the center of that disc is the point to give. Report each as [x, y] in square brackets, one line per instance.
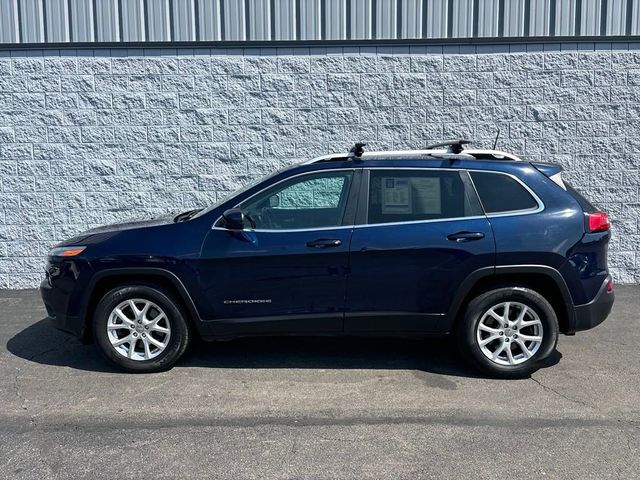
[421, 233]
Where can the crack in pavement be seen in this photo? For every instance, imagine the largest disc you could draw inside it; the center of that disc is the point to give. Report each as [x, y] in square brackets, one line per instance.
[16, 387]
[16, 378]
[562, 395]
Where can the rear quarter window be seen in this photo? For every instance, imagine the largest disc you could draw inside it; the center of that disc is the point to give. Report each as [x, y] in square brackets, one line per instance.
[500, 193]
[585, 204]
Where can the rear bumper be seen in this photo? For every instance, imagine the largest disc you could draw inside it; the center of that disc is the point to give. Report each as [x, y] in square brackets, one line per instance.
[596, 311]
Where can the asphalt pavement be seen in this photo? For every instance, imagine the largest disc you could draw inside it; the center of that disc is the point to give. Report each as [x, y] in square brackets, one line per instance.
[320, 408]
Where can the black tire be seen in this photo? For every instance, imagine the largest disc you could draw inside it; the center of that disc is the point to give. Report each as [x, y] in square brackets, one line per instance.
[179, 338]
[467, 331]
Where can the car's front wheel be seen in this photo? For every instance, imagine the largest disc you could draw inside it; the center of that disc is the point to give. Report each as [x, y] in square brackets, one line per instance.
[141, 328]
[507, 332]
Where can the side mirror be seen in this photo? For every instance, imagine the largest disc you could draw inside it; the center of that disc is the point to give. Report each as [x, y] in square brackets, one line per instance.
[274, 201]
[233, 219]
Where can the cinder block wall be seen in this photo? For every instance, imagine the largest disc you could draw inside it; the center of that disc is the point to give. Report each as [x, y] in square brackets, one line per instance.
[88, 139]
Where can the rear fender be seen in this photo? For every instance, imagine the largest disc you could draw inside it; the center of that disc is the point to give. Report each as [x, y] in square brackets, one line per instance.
[462, 296]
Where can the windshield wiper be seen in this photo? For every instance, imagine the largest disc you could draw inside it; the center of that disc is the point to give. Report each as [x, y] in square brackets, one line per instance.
[186, 215]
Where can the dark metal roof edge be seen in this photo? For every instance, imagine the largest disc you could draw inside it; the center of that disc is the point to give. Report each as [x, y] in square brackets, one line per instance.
[325, 43]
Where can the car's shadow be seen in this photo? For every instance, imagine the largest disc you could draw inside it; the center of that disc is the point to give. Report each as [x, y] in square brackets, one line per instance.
[42, 343]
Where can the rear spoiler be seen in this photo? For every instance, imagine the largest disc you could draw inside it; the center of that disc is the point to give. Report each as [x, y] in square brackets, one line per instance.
[551, 170]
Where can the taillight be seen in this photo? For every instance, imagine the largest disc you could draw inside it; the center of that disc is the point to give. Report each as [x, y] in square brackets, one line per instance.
[610, 286]
[598, 222]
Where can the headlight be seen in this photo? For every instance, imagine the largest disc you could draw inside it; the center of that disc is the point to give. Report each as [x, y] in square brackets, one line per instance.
[66, 251]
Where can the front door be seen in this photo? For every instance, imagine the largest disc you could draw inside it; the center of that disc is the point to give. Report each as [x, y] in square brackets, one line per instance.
[422, 233]
[286, 271]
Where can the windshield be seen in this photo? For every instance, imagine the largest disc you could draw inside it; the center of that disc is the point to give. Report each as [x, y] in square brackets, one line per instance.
[235, 193]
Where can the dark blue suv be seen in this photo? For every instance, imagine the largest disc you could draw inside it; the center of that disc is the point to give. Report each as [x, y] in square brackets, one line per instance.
[497, 251]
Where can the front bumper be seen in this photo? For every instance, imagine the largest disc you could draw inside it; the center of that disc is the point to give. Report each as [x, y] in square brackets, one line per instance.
[57, 304]
[62, 294]
[597, 310]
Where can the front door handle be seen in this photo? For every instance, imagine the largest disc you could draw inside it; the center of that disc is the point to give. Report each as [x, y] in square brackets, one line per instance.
[465, 236]
[324, 243]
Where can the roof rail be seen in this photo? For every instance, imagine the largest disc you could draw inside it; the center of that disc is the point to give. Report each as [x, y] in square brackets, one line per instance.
[454, 151]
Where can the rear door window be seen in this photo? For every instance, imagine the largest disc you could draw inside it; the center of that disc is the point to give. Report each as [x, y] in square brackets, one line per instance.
[415, 195]
[500, 193]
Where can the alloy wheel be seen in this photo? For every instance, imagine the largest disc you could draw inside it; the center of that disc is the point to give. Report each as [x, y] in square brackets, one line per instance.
[509, 333]
[138, 329]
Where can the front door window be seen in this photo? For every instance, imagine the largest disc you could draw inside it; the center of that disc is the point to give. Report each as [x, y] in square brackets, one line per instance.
[310, 201]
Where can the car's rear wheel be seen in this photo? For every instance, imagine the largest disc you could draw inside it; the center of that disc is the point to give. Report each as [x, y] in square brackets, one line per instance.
[507, 332]
[141, 328]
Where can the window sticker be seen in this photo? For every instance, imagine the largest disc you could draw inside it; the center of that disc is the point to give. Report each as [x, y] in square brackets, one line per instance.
[396, 195]
[426, 191]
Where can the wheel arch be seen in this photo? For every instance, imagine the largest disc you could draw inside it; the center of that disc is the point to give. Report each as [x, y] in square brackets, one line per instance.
[106, 280]
[545, 280]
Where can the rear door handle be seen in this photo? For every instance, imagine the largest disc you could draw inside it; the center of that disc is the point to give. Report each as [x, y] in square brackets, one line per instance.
[324, 243]
[465, 236]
